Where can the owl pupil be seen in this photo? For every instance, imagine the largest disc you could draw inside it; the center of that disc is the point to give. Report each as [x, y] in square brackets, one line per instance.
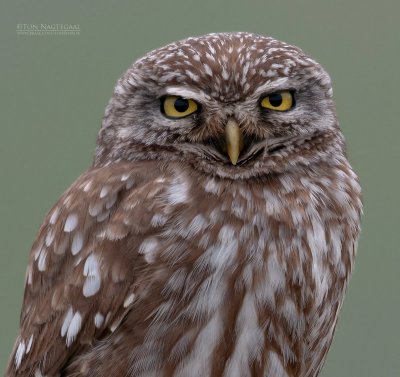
[275, 99]
[181, 105]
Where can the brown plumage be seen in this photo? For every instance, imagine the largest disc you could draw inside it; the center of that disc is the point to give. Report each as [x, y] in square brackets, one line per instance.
[170, 258]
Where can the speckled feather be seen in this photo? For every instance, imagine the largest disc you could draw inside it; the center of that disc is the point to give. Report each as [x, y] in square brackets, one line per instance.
[165, 260]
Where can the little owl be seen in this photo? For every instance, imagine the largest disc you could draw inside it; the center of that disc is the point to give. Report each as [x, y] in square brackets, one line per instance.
[215, 232]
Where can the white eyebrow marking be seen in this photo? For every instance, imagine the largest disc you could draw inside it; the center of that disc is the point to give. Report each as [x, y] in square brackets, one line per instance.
[270, 87]
[185, 93]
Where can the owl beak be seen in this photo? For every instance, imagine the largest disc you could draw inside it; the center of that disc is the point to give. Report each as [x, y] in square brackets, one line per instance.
[234, 140]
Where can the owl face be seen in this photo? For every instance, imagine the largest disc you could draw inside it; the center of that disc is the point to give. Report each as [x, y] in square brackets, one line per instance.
[233, 104]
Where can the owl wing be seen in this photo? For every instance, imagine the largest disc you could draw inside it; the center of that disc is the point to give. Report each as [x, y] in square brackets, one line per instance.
[81, 273]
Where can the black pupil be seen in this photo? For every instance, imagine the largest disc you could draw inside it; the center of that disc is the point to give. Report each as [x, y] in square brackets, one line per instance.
[181, 105]
[275, 99]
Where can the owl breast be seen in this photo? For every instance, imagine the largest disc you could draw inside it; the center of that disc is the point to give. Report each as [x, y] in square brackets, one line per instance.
[241, 278]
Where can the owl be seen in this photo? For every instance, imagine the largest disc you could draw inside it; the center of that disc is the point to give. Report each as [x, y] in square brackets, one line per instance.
[215, 232]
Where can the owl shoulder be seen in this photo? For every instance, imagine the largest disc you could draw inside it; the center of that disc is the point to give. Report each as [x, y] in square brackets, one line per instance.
[80, 275]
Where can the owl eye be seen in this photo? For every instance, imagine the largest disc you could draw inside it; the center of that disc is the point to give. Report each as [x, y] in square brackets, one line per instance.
[280, 101]
[177, 107]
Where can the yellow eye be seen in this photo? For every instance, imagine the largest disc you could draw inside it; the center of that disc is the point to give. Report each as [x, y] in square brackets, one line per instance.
[280, 101]
[178, 107]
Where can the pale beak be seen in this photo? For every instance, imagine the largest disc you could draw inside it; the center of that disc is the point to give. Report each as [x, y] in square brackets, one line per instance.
[234, 140]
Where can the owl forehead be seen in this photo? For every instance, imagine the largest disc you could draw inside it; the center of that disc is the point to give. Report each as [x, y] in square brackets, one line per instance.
[226, 66]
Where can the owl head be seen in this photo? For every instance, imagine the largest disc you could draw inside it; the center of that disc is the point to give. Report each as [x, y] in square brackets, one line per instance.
[234, 105]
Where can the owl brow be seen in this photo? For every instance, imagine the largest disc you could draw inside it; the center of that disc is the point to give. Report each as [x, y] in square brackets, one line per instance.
[185, 93]
[270, 87]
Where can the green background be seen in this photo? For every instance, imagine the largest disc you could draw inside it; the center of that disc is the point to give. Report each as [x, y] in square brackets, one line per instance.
[53, 91]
